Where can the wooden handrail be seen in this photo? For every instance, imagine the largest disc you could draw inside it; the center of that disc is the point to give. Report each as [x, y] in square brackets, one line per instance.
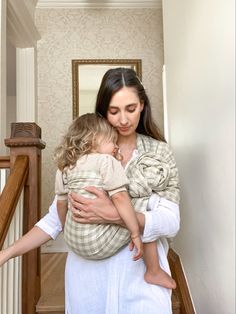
[182, 290]
[4, 162]
[11, 193]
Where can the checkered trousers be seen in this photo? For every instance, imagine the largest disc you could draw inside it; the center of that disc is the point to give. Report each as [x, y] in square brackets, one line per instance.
[91, 241]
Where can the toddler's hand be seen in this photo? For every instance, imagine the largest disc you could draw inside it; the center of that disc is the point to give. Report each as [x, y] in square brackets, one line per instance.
[136, 242]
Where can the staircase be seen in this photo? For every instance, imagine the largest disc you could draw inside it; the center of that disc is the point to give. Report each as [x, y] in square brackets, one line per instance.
[52, 300]
[52, 286]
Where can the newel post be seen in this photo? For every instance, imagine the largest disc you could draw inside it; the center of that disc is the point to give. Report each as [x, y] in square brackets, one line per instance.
[26, 140]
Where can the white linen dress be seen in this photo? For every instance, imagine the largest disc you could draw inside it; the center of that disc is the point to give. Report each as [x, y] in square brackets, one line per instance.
[116, 284]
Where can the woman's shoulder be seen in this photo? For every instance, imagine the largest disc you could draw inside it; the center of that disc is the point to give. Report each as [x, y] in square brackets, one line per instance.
[148, 144]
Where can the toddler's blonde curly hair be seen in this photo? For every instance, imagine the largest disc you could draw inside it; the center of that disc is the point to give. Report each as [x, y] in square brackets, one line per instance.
[81, 139]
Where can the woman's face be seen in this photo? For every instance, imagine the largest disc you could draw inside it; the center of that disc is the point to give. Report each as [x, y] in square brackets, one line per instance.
[124, 111]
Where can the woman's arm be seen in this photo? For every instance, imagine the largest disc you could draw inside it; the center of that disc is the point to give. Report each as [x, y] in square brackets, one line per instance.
[46, 229]
[98, 210]
[31, 240]
[50, 223]
[162, 219]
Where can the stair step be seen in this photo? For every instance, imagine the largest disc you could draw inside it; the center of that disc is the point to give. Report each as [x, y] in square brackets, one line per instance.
[52, 300]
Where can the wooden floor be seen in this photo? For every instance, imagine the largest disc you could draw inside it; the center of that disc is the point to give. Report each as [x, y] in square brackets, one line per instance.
[52, 283]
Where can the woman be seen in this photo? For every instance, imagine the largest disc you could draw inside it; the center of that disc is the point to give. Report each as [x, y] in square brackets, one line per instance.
[116, 285]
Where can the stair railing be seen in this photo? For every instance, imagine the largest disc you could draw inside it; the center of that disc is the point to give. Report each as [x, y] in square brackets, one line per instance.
[10, 273]
[19, 211]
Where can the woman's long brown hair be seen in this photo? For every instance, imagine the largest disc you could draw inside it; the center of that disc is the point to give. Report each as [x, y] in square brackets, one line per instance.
[112, 82]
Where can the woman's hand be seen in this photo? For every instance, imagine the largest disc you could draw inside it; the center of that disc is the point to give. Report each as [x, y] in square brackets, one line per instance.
[4, 256]
[98, 210]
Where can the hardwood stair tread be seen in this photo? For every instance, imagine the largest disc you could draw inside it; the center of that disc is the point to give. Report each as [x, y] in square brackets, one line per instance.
[52, 298]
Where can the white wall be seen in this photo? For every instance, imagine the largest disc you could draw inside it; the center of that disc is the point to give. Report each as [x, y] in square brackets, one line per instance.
[3, 91]
[199, 57]
[11, 87]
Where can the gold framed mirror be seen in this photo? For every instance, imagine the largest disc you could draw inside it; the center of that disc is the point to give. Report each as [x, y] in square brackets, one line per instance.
[87, 76]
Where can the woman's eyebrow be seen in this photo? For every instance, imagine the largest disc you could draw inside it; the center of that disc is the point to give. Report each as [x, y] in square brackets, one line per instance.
[131, 105]
[117, 107]
[113, 107]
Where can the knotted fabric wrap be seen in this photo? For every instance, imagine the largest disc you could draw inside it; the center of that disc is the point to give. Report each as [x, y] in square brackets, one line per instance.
[148, 174]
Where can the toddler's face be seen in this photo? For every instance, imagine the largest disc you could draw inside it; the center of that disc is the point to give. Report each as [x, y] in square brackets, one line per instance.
[106, 146]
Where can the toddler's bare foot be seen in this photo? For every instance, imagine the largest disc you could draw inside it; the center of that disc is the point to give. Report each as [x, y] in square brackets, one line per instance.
[160, 278]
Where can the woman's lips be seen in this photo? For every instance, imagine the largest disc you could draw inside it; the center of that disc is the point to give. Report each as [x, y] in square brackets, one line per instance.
[124, 129]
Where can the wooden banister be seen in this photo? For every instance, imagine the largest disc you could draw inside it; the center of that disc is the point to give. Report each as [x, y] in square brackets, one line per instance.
[11, 193]
[26, 141]
[182, 291]
[4, 162]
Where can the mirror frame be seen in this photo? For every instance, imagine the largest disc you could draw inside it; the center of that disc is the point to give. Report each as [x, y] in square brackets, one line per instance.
[135, 64]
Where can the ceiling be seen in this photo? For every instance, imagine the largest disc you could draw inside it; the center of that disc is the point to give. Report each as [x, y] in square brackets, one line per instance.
[99, 4]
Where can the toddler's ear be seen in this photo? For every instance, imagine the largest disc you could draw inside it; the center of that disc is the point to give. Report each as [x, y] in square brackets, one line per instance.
[117, 154]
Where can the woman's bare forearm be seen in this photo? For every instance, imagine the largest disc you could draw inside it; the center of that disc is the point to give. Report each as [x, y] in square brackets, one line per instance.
[31, 240]
[98, 210]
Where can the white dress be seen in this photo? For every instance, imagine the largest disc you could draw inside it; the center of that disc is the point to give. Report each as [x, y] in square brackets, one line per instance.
[115, 285]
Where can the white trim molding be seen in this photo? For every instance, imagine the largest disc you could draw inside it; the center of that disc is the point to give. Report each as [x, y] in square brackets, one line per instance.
[21, 28]
[3, 76]
[26, 72]
[93, 4]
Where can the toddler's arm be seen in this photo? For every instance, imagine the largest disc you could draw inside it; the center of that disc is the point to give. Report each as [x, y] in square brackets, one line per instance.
[62, 207]
[124, 207]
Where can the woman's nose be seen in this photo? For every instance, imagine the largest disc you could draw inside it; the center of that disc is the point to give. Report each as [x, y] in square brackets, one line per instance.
[123, 119]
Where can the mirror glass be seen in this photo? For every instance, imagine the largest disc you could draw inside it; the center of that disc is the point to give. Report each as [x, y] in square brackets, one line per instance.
[87, 76]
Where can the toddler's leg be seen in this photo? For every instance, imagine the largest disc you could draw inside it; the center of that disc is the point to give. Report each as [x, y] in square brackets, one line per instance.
[154, 273]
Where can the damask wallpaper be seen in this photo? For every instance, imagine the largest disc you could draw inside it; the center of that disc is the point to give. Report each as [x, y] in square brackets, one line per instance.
[68, 34]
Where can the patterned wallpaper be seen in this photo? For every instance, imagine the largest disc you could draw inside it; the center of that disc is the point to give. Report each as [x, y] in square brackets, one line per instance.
[68, 34]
